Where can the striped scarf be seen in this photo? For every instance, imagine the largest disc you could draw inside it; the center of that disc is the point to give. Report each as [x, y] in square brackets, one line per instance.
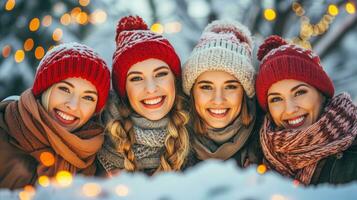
[296, 153]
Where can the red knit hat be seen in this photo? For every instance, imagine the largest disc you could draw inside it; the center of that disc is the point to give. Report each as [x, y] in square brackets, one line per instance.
[136, 43]
[280, 60]
[73, 60]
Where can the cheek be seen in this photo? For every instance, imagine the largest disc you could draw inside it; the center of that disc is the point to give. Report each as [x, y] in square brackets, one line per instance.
[275, 112]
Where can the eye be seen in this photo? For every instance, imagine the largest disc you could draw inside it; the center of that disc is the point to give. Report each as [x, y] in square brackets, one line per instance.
[231, 87]
[65, 89]
[136, 78]
[89, 98]
[275, 99]
[300, 92]
[161, 74]
[206, 87]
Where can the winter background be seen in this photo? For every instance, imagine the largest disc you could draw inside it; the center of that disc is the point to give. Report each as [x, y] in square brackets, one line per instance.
[29, 28]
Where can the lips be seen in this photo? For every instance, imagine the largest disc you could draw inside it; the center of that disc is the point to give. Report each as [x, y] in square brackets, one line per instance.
[154, 102]
[64, 117]
[296, 121]
[218, 112]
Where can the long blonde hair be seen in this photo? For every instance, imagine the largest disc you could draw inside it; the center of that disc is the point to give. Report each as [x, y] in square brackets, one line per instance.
[176, 142]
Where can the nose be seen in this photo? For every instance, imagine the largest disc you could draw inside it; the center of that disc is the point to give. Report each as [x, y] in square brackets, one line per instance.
[218, 97]
[73, 102]
[151, 86]
[291, 107]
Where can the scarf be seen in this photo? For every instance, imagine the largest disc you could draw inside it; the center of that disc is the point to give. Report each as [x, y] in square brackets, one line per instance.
[35, 132]
[224, 143]
[296, 153]
[148, 147]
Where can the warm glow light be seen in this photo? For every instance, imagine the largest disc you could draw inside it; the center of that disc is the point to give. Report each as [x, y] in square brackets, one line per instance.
[91, 189]
[57, 34]
[28, 193]
[173, 27]
[28, 45]
[34, 24]
[261, 169]
[350, 8]
[84, 2]
[82, 18]
[65, 19]
[19, 56]
[44, 181]
[46, 158]
[278, 197]
[122, 190]
[47, 21]
[6, 51]
[269, 14]
[10, 4]
[296, 183]
[64, 178]
[333, 9]
[98, 16]
[75, 11]
[157, 28]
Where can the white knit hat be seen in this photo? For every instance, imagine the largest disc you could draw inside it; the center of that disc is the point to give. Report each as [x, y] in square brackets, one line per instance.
[224, 46]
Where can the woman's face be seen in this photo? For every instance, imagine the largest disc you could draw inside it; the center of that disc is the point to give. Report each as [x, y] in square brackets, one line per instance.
[294, 104]
[218, 98]
[150, 87]
[72, 102]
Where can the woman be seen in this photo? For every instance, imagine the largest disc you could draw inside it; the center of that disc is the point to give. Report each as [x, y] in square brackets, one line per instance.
[219, 78]
[308, 134]
[146, 128]
[49, 129]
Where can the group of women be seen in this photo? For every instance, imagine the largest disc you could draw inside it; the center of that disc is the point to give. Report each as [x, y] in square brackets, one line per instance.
[161, 116]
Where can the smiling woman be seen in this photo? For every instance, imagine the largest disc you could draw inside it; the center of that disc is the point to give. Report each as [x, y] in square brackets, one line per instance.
[48, 130]
[308, 133]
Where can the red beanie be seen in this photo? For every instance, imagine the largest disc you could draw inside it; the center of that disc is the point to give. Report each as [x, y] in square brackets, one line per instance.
[136, 43]
[73, 60]
[280, 60]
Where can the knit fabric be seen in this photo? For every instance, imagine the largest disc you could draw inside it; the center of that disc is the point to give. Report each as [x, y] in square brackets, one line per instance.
[224, 46]
[280, 60]
[296, 153]
[73, 60]
[136, 43]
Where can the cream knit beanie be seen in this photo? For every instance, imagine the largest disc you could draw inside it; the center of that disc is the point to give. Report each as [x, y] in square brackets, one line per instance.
[224, 46]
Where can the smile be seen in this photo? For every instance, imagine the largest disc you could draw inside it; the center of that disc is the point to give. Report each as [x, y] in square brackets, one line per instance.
[296, 122]
[219, 113]
[65, 118]
[153, 102]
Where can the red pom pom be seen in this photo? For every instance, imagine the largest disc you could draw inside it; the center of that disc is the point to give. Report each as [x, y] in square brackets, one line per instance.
[272, 42]
[129, 23]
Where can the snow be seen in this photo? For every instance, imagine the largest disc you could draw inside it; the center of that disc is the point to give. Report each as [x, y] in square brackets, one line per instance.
[210, 180]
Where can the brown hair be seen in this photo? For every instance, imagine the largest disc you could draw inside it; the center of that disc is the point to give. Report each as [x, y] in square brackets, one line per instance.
[176, 142]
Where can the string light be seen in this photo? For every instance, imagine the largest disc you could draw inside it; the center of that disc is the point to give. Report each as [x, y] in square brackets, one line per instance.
[157, 28]
[44, 181]
[6, 51]
[64, 178]
[333, 9]
[47, 21]
[57, 34]
[46, 158]
[65, 19]
[84, 2]
[269, 14]
[91, 189]
[28, 193]
[261, 169]
[28, 45]
[19, 56]
[75, 11]
[10, 4]
[350, 8]
[34, 24]
[82, 18]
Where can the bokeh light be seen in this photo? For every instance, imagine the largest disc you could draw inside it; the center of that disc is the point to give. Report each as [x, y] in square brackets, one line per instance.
[6, 51]
[10, 4]
[57, 34]
[261, 169]
[333, 9]
[64, 178]
[173, 27]
[157, 28]
[84, 2]
[19, 56]
[44, 181]
[28, 44]
[122, 190]
[91, 189]
[350, 8]
[47, 21]
[65, 19]
[34, 24]
[98, 16]
[46, 158]
[82, 18]
[269, 14]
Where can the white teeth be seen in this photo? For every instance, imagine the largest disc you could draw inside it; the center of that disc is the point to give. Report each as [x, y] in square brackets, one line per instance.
[218, 111]
[153, 101]
[296, 121]
[65, 116]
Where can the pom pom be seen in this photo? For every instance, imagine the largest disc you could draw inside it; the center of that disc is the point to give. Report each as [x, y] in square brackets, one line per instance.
[130, 23]
[272, 42]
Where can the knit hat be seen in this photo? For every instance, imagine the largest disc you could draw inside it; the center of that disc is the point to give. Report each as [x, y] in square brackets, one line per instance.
[73, 60]
[224, 46]
[136, 43]
[280, 60]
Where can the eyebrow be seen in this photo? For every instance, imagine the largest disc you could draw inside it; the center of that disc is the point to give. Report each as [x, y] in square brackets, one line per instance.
[87, 91]
[157, 69]
[204, 81]
[292, 89]
[161, 67]
[232, 81]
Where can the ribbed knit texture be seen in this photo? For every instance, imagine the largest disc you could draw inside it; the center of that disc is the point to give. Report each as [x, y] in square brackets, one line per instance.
[70, 60]
[224, 46]
[136, 43]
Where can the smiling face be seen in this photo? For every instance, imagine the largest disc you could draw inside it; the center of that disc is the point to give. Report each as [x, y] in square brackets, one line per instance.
[72, 102]
[150, 87]
[294, 104]
[218, 98]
